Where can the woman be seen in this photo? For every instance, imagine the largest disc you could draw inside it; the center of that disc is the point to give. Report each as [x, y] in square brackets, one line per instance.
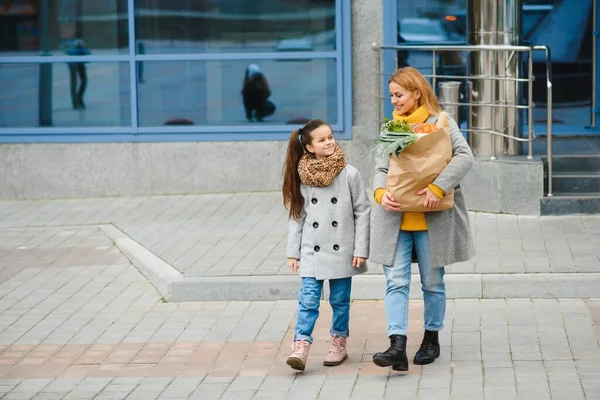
[439, 237]
[255, 94]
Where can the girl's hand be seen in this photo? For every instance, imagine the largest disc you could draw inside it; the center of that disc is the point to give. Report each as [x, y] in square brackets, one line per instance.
[357, 262]
[431, 201]
[389, 203]
[293, 264]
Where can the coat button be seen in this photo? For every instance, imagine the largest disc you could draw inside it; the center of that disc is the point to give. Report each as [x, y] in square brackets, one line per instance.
[315, 224]
[336, 247]
[334, 223]
[317, 248]
[314, 201]
[334, 200]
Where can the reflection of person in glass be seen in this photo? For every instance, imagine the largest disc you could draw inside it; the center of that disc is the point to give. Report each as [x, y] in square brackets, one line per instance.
[141, 49]
[78, 69]
[255, 93]
[401, 55]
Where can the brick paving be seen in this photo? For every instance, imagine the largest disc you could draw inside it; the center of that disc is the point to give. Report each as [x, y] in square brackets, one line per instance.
[103, 332]
[78, 321]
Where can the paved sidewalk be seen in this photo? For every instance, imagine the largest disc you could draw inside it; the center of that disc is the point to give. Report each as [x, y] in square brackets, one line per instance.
[102, 332]
[244, 234]
[78, 321]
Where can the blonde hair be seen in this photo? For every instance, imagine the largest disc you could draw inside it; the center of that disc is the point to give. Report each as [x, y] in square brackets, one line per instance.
[412, 80]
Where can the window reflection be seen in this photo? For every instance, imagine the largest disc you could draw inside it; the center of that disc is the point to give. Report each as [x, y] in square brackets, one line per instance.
[205, 26]
[211, 93]
[34, 95]
[572, 61]
[30, 26]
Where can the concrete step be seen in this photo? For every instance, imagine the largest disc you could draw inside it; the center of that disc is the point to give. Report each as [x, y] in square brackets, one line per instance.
[571, 203]
[589, 163]
[174, 286]
[582, 182]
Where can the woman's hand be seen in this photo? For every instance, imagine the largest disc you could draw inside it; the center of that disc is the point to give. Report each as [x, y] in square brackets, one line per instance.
[293, 264]
[389, 203]
[431, 201]
[357, 262]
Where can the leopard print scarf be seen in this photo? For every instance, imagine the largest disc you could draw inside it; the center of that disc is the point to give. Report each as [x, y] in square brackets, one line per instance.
[315, 172]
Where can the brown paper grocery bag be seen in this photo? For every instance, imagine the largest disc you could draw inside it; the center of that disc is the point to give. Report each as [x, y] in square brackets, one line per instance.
[418, 166]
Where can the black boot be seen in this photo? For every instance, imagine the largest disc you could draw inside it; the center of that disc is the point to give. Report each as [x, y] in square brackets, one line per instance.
[429, 350]
[395, 356]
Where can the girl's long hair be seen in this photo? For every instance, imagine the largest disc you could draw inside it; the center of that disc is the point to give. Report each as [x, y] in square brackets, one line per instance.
[411, 79]
[299, 139]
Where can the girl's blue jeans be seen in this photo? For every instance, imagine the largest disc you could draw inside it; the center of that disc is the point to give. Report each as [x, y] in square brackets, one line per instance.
[398, 285]
[310, 299]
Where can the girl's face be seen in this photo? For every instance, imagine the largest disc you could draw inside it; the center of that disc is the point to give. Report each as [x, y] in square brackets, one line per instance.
[404, 101]
[322, 144]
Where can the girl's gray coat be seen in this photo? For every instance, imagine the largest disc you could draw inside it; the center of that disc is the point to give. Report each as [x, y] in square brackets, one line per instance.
[333, 228]
[449, 231]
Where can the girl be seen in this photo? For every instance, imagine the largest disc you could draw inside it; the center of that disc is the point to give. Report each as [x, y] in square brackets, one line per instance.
[439, 238]
[329, 213]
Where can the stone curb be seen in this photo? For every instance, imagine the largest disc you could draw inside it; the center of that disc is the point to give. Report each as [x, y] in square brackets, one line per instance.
[174, 286]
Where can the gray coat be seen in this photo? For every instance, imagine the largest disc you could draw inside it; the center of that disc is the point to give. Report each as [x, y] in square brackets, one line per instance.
[333, 228]
[450, 239]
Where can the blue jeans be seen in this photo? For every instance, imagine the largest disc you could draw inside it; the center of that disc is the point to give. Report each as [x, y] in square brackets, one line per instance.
[398, 285]
[310, 299]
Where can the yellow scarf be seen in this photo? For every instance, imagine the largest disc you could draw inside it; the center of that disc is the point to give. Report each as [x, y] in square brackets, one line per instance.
[418, 117]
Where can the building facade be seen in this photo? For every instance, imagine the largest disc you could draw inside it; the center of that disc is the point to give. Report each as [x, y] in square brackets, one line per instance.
[144, 97]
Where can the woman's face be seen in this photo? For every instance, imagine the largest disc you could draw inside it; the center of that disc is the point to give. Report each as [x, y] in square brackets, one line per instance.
[322, 143]
[404, 101]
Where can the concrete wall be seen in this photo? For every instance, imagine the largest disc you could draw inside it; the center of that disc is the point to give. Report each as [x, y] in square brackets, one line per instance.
[37, 171]
[512, 185]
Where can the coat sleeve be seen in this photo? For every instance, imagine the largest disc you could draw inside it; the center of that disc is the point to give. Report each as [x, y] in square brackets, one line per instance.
[295, 236]
[362, 215]
[461, 162]
[382, 164]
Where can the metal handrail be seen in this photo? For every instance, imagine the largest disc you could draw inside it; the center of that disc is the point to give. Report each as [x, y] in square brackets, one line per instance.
[494, 48]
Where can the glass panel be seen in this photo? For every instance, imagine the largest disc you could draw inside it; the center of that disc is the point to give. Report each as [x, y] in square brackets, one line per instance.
[432, 22]
[33, 95]
[210, 93]
[572, 63]
[209, 26]
[30, 26]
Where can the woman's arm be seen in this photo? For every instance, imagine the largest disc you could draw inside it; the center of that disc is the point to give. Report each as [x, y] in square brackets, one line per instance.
[362, 214]
[461, 162]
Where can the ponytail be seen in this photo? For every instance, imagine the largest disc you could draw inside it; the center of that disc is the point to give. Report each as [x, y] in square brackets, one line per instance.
[292, 198]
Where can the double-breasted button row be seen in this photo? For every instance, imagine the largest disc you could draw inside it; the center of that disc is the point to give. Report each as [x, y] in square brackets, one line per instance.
[316, 224]
[335, 247]
[315, 201]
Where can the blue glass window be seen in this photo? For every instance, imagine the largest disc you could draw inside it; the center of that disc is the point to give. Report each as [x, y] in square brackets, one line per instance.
[154, 70]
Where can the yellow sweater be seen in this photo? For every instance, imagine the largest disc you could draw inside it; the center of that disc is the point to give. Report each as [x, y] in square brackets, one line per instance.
[412, 221]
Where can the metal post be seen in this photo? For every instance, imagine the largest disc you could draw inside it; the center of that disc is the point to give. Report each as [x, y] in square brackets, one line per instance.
[594, 62]
[549, 117]
[530, 104]
[433, 70]
[450, 93]
[492, 22]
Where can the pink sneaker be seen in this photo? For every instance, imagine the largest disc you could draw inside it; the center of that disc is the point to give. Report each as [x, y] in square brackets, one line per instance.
[337, 352]
[297, 360]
